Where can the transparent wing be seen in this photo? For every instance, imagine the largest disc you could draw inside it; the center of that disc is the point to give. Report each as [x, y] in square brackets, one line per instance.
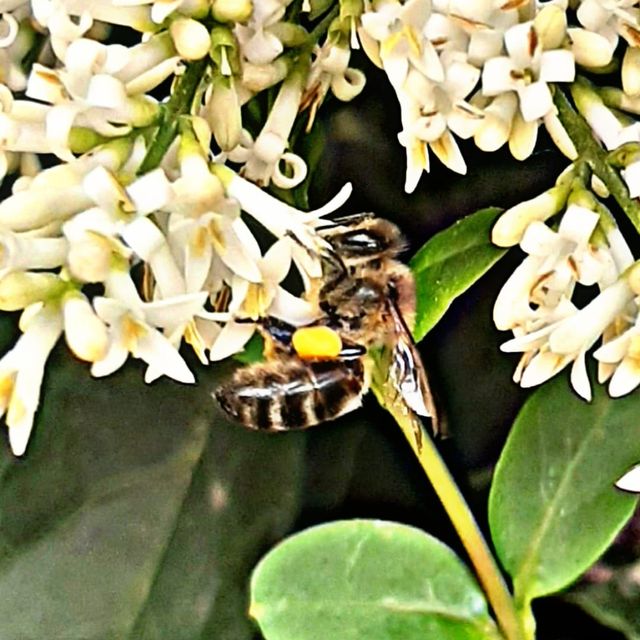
[406, 371]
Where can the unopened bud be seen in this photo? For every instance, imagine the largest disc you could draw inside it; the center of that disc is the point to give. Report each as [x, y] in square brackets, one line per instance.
[191, 38]
[85, 333]
[631, 71]
[511, 225]
[551, 26]
[590, 49]
[232, 10]
[23, 288]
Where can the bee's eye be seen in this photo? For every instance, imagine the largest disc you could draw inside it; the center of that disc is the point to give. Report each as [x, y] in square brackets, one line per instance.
[359, 243]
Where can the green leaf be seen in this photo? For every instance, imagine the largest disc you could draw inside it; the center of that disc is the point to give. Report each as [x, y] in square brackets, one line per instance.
[253, 350]
[553, 508]
[366, 579]
[449, 263]
[138, 512]
[614, 602]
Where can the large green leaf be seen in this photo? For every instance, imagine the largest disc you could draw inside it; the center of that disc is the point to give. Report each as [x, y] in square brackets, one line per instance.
[449, 263]
[138, 513]
[367, 579]
[553, 508]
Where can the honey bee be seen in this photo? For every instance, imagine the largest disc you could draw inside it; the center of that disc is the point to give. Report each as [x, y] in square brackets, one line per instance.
[317, 373]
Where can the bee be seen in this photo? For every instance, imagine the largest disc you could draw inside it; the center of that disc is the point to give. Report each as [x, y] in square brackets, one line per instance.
[317, 373]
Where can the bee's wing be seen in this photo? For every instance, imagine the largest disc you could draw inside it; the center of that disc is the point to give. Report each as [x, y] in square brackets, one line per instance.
[407, 373]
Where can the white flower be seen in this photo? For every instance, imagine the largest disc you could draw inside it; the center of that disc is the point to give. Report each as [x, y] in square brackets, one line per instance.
[253, 301]
[258, 43]
[526, 70]
[132, 329]
[330, 70]
[535, 302]
[22, 371]
[265, 159]
[556, 261]
[550, 349]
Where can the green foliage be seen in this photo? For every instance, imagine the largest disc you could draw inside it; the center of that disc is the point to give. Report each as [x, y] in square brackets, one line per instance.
[615, 601]
[367, 579]
[449, 263]
[138, 513]
[253, 350]
[553, 508]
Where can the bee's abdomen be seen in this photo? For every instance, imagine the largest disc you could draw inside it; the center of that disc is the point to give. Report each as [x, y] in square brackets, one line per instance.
[279, 396]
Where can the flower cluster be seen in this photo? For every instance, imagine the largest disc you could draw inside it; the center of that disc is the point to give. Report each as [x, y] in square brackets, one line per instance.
[126, 255]
[537, 303]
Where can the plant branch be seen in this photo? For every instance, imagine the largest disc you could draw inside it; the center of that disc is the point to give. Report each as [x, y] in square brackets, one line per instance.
[590, 150]
[179, 103]
[458, 511]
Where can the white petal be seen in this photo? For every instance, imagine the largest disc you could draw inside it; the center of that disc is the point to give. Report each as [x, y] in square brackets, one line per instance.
[557, 66]
[630, 481]
[161, 355]
[231, 339]
[174, 311]
[578, 223]
[542, 367]
[291, 309]
[587, 325]
[535, 101]
[512, 304]
[631, 175]
[580, 377]
[277, 261]
[625, 378]
[497, 76]
[614, 350]
[539, 240]
[116, 356]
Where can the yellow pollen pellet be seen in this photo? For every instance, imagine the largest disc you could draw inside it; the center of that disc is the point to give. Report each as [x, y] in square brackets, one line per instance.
[316, 343]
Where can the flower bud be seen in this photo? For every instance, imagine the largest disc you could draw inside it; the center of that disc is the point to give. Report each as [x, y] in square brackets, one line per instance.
[590, 49]
[222, 113]
[85, 333]
[631, 71]
[232, 10]
[511, 225]
[551, 26]
[191, 38]
[23, 288]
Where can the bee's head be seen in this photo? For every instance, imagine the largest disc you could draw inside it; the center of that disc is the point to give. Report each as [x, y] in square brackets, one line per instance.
[364, 239]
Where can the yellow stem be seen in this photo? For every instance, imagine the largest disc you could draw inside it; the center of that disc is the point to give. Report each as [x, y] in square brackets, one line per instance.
[461, 517]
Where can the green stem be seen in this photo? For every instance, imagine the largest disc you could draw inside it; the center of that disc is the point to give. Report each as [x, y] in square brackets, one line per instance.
[180, 103]
[459, 513]
[590, 150]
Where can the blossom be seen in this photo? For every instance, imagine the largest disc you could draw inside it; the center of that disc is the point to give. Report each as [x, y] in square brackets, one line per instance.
[264, 158]
[251, 301]
[258, 43]
[132, 329]
[535, 302]
[526, 70]
[550, 349]
[22, 371]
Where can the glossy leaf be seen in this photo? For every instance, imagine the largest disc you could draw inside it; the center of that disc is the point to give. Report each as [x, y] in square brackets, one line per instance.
[138, 512]
[449, 263]
[367, 579]
[553, 508]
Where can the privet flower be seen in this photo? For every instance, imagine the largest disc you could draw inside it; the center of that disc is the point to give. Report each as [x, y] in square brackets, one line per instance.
[536, 301]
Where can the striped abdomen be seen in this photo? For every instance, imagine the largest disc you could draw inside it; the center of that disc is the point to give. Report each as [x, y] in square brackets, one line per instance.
[292, 394]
